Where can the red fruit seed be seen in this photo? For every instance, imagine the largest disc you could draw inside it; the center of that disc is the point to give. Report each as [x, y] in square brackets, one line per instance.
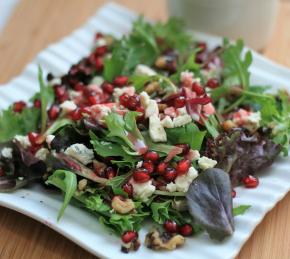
[99, 65]
[149, 166]
[151, 155]
[133, 102]
[100, 51]
[53, 112]
[170, 226]
[179, 102]
[120, 81]
[76, 114]
[197, 88]
[212, 83]
[123, 99]
[128, 188]
[33, 138]
[37, 103]
[108, 88]
[79, 87]
[183, 166]
[141, 175]
[129, 236]
[110, 172]
[250, 181]
[19, 106]
[170, 174]
[186, 230]
[161, 168]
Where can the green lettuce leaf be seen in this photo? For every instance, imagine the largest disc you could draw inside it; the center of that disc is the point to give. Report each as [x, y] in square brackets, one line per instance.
[240, 210]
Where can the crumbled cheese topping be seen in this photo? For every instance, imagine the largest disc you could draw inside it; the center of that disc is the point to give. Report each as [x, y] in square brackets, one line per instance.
[143, 191]
[206, 163]
[182, 120]
[7, 152]
[81, 153]
[152, 109]
[144, 99]
[167, 122]
[143, 70]
[156, 130]
[68, 106]
[42, 154]
[186, 78]
[23, 140]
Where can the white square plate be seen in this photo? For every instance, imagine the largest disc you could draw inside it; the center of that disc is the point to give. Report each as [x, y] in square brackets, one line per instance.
[83, 228]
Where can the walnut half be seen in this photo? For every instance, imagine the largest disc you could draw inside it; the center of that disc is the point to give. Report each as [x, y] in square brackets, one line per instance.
[165, 241]
[122, 205]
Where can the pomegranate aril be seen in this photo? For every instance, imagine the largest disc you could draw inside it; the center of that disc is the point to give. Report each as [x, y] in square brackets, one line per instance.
[53, 112]
[202, 101]
[79, 87]
[37, 103]
[141, 175]
[59, 91]
[76, 114]
[133, 102]
[202, 46]
[123, 99]
[120, 81]
[197, 88]
[161, 168]
[185, 148]
[129, 236]
[108, 88]
[33, 138]
[93, 99]
[250, 181]
[170, 226]
[99, 65]
[19, 106]
[140, 117]
[212, 83]
[186, 230]
[170, 174]
[85, 110]
[179, 102]
[100, 51]
[149, 166]
[234, 193]
[151, 155]
[183, 166]
[110, 172]
[128, 188]
[99, 35]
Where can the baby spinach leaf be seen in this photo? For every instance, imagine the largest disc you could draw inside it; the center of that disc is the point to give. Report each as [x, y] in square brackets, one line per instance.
[210, 203]
[66, 181]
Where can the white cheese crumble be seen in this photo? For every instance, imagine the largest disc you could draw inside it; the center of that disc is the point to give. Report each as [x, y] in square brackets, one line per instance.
[130, 90]
[182, 182]
[143, 70]
[7, 152]
[81, 153]
[74, 94]
[68, 106]
[100, 42]
[98, 80]
[143, 191]
[152, 109]
[186, 77]
[49, 139]
[182, 120]
[23, 140]
[42, 153]
[144, 99]
[156, 130]
[139, 164]
[167, 122]
[182, 111]
[252, 122]
[206, 163]
[55, 81]
[195, 154]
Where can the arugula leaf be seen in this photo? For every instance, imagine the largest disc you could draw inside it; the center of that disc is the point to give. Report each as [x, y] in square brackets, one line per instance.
[65, 181]
[212, 125]
[116, 183]
[12, 123]
[160, 211]
[188, 134]
[139, 81]
[131, 125]
[46, 97]
[96, 203]
[240, 210]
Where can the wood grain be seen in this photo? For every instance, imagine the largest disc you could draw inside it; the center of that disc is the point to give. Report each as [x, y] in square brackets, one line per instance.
[32, 27]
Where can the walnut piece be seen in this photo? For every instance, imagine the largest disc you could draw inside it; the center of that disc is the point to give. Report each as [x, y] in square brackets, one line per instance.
[122, 205]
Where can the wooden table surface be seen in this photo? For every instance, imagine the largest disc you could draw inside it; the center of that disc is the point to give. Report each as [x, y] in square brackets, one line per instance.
[34, 25]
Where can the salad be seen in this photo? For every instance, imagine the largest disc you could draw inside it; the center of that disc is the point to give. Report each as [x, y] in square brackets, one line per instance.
[153, 126]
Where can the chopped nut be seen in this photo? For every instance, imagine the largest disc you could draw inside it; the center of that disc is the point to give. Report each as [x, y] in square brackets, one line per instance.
[161, 62]
[152, 87]
[82, 184]
[122, 205]
[162, 106]
[156, 241]
[228, 125]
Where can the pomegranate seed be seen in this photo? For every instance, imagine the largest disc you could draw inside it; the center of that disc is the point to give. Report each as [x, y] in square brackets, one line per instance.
[110, 172]
[59, 91]
[76, 114]
[141, 175]
[80, 87]
[123, 99]
[33, 138]
[185, 148]
[203, 100]
[99, 65]
[19, 106]
[170, 226]
[2, 173]
[140, 117]
[120, 81]
[37, 103]
[129, 236]
[212, 83]
[99, 35]
[234, 193]
[197, 88]
[183, 166]
[128, 188]
[53, 112]
[133, 102]
[108, 88]
[161, 168]
[179, 102]
[202, 46]
[186, 230]
[250, 181]
[170, 174]
[93, 99]
[100, 51]
[151, 155]
[149, 166]
[86, 110]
